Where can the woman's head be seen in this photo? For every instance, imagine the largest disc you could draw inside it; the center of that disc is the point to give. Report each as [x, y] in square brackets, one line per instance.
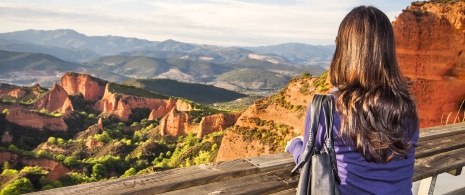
[365, 50]
[378, 112]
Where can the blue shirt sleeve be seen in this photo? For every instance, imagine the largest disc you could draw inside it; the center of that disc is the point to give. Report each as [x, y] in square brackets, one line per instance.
[297, 146]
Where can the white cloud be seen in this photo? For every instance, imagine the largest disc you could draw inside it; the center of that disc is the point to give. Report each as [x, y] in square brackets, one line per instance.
[219, 22]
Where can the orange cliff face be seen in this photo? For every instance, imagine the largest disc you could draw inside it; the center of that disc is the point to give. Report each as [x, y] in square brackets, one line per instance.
[180, 123]
[35, 120]
[216, 122]
[122, 104]
[175, 123]
[56, 169]
[89, 87]
[430, 44]
[286, 108]
[56, 100]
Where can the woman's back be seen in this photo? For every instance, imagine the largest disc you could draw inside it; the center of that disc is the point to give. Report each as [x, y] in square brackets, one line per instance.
[376, 120]
[359, 176]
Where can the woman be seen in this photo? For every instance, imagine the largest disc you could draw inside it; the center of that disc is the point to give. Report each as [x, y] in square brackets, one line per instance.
[375, 123]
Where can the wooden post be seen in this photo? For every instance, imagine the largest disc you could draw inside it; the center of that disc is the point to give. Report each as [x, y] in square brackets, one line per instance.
[427, 186]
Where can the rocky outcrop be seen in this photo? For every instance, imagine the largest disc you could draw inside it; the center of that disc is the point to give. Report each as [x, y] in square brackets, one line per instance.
[6, 137]
[25, 94]
[183, 106]
[56, 169]
[35, 120]
[121, 105]
[430, 44]
[158, 113]
[234, 146]
[89, 87]
[19, 92]
[175, 123]
[286, 108]
[55, 101]
[91, 143]
[8, 156]
[216, 122]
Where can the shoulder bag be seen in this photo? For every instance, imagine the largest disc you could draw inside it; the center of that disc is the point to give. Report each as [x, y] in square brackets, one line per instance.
[318, 169]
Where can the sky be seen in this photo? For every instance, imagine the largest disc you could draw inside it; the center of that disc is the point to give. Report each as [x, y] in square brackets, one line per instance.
[213, 22]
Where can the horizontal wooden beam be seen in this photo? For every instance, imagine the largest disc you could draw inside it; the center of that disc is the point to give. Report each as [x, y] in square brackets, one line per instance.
[434, 165]
[440, 150]
[261, 183]
[441, 131]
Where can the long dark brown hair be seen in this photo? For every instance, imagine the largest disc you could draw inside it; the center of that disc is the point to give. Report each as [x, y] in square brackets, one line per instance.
[379, 116]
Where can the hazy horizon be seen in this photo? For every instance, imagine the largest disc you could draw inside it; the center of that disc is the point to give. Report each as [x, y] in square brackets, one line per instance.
[212, 22]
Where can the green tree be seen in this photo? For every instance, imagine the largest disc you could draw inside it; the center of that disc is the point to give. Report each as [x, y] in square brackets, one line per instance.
[52, 140]
[104, 137]
[130, 172]
[306, 74]
[98, 171]
[9, 171]
[60, 157]
[35, 170]
[6, 165]
[70, 161]
[19, 186]
[214, 147]
[202, 158]
[43, 111]
[60, 141]
[14, 149]
[43, 154]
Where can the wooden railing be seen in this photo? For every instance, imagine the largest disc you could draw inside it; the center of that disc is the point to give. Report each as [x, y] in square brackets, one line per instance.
[441, 149]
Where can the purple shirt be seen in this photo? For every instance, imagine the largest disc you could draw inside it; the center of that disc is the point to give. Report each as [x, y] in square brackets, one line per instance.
[359, 176]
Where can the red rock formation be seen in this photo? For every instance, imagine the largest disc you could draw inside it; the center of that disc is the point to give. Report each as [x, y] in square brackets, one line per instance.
[216, 122]
[122, 104]
[89, 87]
[4, 106]
[91, 143]
[277, 108]
[100, 124]
[56, 169]
[234, 146]
[183, 106]
[175, 123]
[8, 156]
[158, 113]
[6, 137]
[35, 120]
[8, 91]
[430, 42]
[56, 100]
[17, 91]
[285, 108]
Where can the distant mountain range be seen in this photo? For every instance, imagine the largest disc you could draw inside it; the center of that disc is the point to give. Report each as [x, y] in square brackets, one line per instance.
[23, 68]
[120, 58]
[90, 46]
